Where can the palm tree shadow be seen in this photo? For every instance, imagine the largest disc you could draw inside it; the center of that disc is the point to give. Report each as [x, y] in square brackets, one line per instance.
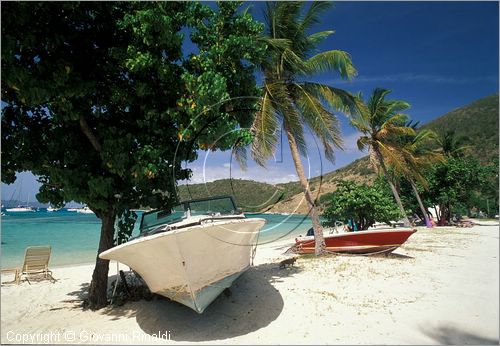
[447, 335]
[253, 304]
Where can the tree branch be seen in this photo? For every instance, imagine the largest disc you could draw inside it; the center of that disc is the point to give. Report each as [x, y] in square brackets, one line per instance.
[90, 135]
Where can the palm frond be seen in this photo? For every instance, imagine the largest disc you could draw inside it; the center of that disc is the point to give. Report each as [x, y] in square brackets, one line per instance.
[239, 153]
[265, 126]
[276, 44]
[331, 61]
[318, 37]
[336, 98]
[376, 104]
[363, 142]
[292, 62]
[392, 155]
[323, 123]
[311, 17]
[293, 122]
[396, 106]
[282, 18]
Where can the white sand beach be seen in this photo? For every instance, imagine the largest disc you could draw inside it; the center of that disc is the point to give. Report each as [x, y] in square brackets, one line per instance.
[441, 287]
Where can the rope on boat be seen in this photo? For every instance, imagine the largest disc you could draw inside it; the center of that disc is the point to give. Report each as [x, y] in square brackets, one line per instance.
[254, 251]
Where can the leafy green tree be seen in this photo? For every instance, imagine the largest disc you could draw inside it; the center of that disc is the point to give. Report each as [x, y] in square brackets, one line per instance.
[363, 203]
[489, 193]
[453, 184]
[101, 104]
[456, 183]
[380, 122]
[291, 102]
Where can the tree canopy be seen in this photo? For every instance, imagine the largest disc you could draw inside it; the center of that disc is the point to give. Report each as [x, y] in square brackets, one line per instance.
[102, 104]
[456, 184]
[363, 203]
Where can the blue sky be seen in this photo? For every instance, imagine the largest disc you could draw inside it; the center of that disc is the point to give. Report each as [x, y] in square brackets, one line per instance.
[437, 56]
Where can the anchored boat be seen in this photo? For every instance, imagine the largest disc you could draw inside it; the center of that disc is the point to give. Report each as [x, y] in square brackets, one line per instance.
[193, 252]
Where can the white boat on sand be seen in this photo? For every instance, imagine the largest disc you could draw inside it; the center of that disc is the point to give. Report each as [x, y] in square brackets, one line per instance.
[192, 253]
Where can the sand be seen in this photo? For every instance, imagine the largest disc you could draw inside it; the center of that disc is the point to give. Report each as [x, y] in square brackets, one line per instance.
[441, 287]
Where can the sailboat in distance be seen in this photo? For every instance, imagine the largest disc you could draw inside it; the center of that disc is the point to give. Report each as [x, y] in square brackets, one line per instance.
[20, 208]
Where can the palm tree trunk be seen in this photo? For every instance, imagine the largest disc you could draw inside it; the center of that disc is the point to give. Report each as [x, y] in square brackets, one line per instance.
[393, 188]
[319, 241]
[422, 208]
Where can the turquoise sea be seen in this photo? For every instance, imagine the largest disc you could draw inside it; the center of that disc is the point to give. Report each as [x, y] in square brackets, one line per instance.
[74, 237]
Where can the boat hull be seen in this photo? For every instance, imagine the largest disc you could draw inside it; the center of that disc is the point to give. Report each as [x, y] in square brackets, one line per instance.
[19, 210]
[362, 242]
[192, 265]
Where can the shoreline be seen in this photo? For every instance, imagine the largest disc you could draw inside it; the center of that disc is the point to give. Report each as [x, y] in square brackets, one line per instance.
[19, 233]
[440, 287]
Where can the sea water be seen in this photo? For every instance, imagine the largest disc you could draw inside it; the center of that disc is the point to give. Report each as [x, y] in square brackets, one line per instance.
[74, 237]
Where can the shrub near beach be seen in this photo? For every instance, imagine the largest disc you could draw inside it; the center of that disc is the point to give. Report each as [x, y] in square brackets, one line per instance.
[363, 203]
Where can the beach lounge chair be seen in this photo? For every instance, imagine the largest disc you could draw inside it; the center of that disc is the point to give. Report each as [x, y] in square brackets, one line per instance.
[14, 271]
[36, 261]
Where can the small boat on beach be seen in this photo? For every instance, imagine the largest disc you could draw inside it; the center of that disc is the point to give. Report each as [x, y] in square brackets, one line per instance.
[193, 252]
[360, 242]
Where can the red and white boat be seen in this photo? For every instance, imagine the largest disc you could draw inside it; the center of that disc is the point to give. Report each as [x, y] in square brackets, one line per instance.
[361, 242]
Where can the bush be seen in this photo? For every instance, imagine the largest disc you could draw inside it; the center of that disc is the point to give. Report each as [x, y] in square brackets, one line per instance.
[363, 203]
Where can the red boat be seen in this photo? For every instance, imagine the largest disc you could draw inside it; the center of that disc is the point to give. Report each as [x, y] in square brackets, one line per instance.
[360, 242]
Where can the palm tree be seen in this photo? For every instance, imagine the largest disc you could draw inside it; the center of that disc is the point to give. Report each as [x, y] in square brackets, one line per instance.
[380, 121]
[452, 145]
[417, 155]
[294, 104]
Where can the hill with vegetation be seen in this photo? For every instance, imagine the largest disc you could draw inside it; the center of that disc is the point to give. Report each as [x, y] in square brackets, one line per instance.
[248, 194]
[477, 123]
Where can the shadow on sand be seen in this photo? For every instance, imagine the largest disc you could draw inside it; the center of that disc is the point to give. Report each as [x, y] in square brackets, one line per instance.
[447, 335]
[393, 255]
[253, 304]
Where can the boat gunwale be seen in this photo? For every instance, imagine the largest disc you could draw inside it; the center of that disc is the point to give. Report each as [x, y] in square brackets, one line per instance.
[345, 234]
[172, 232]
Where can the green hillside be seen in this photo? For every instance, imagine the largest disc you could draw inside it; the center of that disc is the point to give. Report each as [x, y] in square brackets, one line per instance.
[478, 122]
[248, 194]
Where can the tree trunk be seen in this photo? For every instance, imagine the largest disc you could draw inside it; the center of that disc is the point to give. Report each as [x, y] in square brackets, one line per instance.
[98, 291]
[393, 188]
[422, 208]
[319, 241]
